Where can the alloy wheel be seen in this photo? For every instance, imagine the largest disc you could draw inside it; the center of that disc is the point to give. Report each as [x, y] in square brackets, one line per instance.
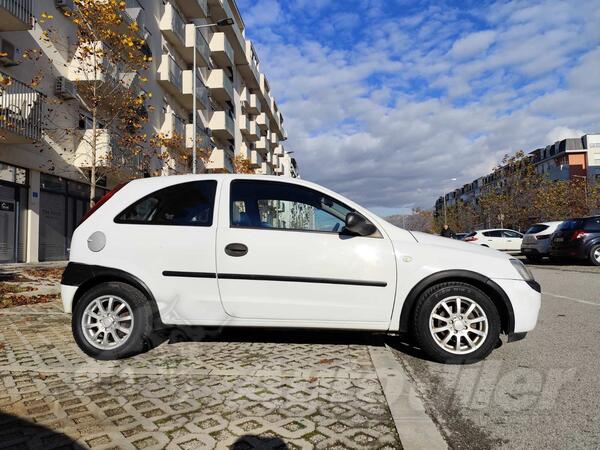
[458, 325]
[107, 322]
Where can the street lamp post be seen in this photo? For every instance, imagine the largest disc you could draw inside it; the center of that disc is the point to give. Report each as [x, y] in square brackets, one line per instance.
[221, 23]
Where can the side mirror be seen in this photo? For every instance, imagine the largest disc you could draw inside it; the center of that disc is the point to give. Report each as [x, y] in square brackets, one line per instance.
[359, 225]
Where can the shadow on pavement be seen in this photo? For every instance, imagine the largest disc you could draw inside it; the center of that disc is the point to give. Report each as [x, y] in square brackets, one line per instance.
[19, 433]
[250, 441]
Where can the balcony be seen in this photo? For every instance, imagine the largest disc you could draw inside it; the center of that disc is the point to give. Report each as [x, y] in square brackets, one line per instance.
[221, 10]
[221, 161]
[193, 9]
[221, 50]
[274, 139]
[279, 151]
[262, 145]
[262, 121]
[174, 131]
[249, 68]
[221, 87]
[202, 47]
[222, 125]
[256, 159]
[108, 154]
[21, 113]
[251, 103]
[91, 65]
[248, 128]
[188, 91]
[170, 76]
[173, 27]
[16, 15]
[202, 138]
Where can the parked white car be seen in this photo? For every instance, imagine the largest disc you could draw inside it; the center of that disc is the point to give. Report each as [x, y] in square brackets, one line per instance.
[239, 250]
[497, 238]
[537, 240]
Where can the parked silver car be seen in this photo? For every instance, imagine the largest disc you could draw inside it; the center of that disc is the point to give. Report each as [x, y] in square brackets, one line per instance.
[536, 242]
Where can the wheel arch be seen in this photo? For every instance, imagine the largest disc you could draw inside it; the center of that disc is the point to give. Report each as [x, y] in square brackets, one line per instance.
[488, 286]
[97, 275]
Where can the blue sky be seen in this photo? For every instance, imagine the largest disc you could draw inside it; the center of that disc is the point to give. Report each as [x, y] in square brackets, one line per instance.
[386, 101]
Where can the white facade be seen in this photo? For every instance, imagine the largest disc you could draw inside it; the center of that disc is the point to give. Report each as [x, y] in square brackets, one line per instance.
[43, 178]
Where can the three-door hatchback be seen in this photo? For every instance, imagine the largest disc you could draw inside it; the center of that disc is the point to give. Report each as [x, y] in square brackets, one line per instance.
[238, 250]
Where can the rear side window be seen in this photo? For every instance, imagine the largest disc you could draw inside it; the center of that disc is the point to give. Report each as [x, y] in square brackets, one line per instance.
[511, 234]
[537, 228]
[186, 204]
[571, 224]
[493, 233]
[592, 224]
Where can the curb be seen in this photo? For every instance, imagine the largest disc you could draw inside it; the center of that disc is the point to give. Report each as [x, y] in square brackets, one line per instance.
[415, 428]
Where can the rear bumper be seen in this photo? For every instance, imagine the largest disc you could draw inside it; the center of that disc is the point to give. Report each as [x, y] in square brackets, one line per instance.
[526, 301]
[67, 293]
[569, 252]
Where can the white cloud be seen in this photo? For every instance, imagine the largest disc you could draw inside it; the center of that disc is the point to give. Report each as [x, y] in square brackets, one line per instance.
[473, 44]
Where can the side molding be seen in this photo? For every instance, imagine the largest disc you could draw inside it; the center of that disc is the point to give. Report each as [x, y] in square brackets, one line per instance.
[496, 293]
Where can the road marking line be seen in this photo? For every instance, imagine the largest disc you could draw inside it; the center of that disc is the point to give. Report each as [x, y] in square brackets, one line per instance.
[578, 300]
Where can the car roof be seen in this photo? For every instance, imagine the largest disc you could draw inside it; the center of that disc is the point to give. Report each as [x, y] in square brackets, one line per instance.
[497, 229]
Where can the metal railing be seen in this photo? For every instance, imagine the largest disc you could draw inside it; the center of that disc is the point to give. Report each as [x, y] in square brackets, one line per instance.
[21, 109]
[21, 9]
[202, 93]
[178, 24]
[202, 46]
[175, 73]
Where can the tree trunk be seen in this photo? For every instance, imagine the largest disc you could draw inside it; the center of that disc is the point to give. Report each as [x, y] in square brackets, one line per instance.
[93, 175]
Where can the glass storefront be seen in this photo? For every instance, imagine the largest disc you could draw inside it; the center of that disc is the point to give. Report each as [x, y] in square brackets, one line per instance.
[13, 213]
[62, 205]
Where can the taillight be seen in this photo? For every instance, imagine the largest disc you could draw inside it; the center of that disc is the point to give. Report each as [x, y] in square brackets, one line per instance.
[102, 201]
[541, 237]
[578, 234]
[470, 239]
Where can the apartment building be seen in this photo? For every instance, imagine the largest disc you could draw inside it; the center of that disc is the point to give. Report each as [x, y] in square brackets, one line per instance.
[44, 187]
[566, 159]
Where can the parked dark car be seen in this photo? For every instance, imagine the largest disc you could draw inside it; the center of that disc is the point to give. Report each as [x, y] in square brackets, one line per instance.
[577, 239]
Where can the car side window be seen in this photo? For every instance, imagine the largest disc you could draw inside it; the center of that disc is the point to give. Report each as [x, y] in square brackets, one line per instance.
[511, 234]
[493, 233]
[185, 204]
[284, 206]
[592, 224]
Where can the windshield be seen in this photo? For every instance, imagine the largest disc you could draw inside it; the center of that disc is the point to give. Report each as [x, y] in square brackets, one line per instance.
[537, 228]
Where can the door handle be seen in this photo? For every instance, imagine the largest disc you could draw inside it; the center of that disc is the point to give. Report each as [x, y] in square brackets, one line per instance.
[236, 250]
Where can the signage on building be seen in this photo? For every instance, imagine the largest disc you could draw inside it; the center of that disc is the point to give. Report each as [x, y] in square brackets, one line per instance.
[7, 206]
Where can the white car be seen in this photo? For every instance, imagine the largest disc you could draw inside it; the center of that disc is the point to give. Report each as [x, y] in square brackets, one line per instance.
[497, 238]
[249, 250]
[537, 240]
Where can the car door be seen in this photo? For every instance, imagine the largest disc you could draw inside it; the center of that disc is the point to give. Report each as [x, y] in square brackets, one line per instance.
[282, 256]
[167, 239]
[493, 239]
[512, 240]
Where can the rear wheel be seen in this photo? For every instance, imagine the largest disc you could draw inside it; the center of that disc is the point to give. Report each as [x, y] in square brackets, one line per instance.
[112, 321]
[595, 255]
[456, 323]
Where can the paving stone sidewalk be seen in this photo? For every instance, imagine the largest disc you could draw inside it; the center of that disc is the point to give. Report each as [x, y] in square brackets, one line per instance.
[233, 391]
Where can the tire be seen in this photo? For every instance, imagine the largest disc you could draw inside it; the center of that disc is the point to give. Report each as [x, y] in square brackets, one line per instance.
[533, 258]
[594, 256]
[106, 346]
[485, 313]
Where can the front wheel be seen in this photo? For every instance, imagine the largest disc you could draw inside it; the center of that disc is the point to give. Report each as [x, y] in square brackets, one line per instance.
[456, 323]
[595, 255]
[111, 321]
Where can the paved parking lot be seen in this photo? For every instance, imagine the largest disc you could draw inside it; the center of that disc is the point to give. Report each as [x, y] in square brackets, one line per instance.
[251, 391]
[541, 392]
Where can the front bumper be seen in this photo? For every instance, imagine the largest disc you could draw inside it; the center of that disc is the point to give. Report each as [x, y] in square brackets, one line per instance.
[526, 301]
[67, 293]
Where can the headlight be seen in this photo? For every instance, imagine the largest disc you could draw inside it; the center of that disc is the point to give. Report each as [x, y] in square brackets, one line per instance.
[523, 271]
